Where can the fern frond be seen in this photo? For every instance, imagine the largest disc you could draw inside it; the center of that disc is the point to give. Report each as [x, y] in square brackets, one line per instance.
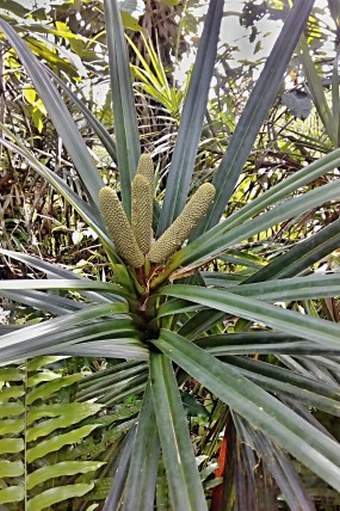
[35, 424]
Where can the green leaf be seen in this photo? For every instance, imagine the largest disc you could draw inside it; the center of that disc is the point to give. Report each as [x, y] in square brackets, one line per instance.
[27, 340]
[142, 476]
[281, 290]
[47, 389]
[57, 442]
[11, 426]
[11, 468]
[282, 189]
[200, 323]
[284, 382]
[183, 160]
[87, 213]
[63, 468]
[319, 452]
[10, 409]
[60, 116]
[321, 331]
[119, 471]
[316, 91]
[68, 284]
[256, 109]
[102, 133]
[261, 342]
[11, 445]
[126, 129]
[184, 483]
[222, 236]
[125, 348]
[54, 495]
[65, 410]
[302, 255]
[12, 494]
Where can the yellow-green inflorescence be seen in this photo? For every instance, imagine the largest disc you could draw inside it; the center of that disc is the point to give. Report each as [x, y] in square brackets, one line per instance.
[184, 224]
[141, 212]
[134, 241]
[145, 168]
[119, 228]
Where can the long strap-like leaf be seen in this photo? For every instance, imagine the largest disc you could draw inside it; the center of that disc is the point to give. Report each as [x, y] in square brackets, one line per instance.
[59, 114]
[125, 119]
[317, 451]
[142, 476]
[256, 109]
[186, 491]
[190, 128]
[282, 320]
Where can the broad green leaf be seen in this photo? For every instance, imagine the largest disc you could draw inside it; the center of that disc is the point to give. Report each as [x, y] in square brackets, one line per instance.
[126, 129]
[57, 442]
[58, 494]
[63, 468]
[183, 159]
[60, 115]
[11, 445]
[11, 393]
[256, 109]
[10, 409]
[12, 494]
[35, 413]
[47, 389]
[10, 374]
[319, 452]
[11, 468]
[11, 426]
[42, 376]
[294, 323]
[186, 491]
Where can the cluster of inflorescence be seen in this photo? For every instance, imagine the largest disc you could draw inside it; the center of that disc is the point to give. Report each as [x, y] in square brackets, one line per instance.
[134, 241]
